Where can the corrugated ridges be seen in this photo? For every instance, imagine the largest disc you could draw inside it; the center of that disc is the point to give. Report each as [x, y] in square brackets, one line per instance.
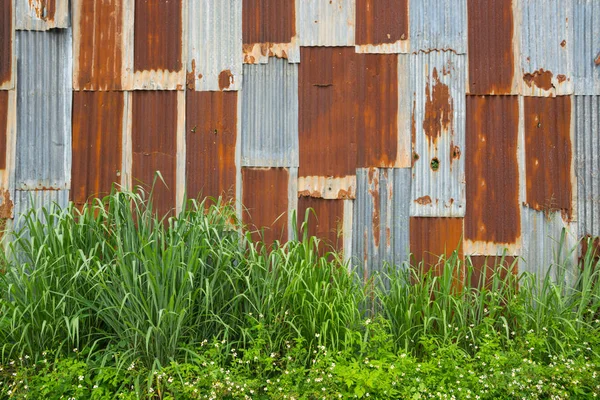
[37, 199]
[546, 48]
[326, 23]
[214, 43]
[587, 163]
[437, 90]
[431, 238]
[381, 219]
[43, 157]
[438, 25]
[270, 115]
[382, 26]
[7, 37]
[42, 15]
[586, 46]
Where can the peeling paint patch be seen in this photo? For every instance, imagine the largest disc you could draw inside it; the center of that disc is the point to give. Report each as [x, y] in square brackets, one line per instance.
[540, 78]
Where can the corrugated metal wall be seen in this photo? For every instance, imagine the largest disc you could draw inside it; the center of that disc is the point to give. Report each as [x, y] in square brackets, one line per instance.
[409, 126]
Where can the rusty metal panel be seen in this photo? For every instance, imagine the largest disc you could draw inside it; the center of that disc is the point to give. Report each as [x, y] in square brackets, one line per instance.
[438, 25]
[26, 200]
[270, 115]
[493, 47]
[269, 30]
[7, 38]
[587, 163]
[102, 37]
[546, 48]
[97, 144]
[382, 26]
[548, 241]
[586, 46]
[214, 45]
[549, 168]
[431, 238]
[8, 117]
[44, 99]
[326, 23]
[4, 105]
[492, 218]
[484, 268]
[158, 45]
[154, 141]
[325, 221]
[41, 15]
[437, 115]
[381, 219]
[265, 203]
[211, 126]
[6, 208]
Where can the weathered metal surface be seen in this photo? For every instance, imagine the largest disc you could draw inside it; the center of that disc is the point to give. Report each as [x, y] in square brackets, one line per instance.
[44, 98]
[587, 163]
[382, 26]
[41, 15]
[327, 187]
[265, 203]
[494, 66]
[548, 241]
[549, 168]
[158, 45]
[4, 105]
[214, 45]
[546, 48]
[102, 37]
[211, 121]
[586, 46]
[326, 23]
[25, 200]
[325, 221]
[154, 141]
[8, 117]
[492, 218]
[486, 267]
[381, 220]
[270, 115]
[97, 144]
[438, 25]
[431, 238]
[437, 115]
[7, 38]
[6, 205]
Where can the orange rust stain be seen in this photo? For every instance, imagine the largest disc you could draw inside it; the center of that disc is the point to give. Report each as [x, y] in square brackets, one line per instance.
[44, 9]
[597, 60]
[540, 78]
[225, 79]
[374, 192]
[190, 77]
[561, 78]
[454, 152]
[425, 200]
[388, 237]
[563, 43]
[6, 208]
[343, 194]
[413, 133]
[438, 108]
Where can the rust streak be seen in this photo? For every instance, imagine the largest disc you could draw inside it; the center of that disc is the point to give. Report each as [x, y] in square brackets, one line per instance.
[44, 9]
[374, 192]
[438, 108]
[191, 76]
[225, 79]
[540, 78]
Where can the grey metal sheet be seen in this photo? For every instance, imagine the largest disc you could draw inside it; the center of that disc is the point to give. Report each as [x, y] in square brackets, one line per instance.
[587, 163]
[546, 47]
[586, 46]
[548, 242]
[214, 43]
[44, 98]
[26, 200]
[381, 222]
[42, 15]
[270, 114]
[438, 25]
[437, 115]
[326, 23]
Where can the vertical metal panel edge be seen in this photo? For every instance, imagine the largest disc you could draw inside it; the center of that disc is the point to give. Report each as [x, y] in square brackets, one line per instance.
[127, 147]
[238, 160]
[7, 178]
[10, 84]
[586, 44]
[404, 153]
[180, 153]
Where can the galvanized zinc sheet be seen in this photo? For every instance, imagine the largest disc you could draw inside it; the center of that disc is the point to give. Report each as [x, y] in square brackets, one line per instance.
[431, 238]
[437, 89]
[43, 158]
[97, 144]
[438, 25]
[211, 136]
[41, 15]
[382, 26]
[7, 38]
[494, 66]
[492, 218]
[587, 163]
[26, 200]
[270, 115]
[326, 22]
[381, 219]
[546, 47]
[214, 45]
[548, 241]
[586, 46]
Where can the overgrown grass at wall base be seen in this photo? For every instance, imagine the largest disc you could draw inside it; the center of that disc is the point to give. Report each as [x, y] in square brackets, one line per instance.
[188, 307]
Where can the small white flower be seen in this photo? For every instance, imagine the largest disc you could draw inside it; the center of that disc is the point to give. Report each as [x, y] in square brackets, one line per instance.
[317, 335]
[367, 322]
[81, 377]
